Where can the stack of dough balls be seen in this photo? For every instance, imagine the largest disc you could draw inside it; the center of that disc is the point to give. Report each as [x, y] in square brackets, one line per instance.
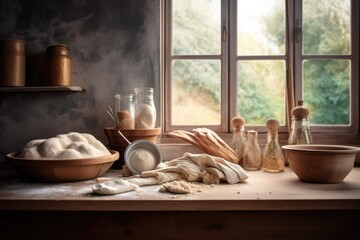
[72, 145]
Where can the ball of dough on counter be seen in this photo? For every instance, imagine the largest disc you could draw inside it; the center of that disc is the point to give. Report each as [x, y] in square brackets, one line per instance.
[65, 146]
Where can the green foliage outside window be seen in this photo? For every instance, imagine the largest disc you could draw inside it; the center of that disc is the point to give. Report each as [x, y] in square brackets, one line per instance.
[326, 83]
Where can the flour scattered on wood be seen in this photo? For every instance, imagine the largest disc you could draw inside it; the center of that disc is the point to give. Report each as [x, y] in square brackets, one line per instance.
[180, 187]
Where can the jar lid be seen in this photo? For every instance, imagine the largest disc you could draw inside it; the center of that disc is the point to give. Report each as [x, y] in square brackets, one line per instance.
[118, 96]
[12, 45]
[300, 111]
[58, 49]
[252, 133]
[272, 124]
[148, 90]
[237, 122]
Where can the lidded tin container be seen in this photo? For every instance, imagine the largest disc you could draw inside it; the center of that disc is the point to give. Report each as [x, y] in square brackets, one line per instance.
[58, 70]
[12, 63]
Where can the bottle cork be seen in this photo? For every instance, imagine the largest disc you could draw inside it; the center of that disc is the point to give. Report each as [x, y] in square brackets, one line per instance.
[272, 125]
[237, 122]
[300, 111]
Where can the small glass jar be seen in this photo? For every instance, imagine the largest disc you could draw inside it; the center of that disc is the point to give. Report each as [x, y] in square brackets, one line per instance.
[252, 152]
[145, 112]
[300, 125]
[125, 111]
[273, 158]
[238, 140]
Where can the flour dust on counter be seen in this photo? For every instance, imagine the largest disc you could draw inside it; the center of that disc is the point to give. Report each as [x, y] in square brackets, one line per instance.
[190, 168]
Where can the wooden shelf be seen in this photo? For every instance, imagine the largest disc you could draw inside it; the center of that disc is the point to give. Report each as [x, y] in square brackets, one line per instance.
[42, 89]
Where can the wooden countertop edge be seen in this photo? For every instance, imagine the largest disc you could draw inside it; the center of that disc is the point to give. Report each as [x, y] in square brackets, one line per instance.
[179, 205]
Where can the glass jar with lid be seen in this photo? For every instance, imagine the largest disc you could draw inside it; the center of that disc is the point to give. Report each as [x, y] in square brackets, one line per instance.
[238, 140]
[300, 125]
[125, 111]
[145, 111]
[273, 158]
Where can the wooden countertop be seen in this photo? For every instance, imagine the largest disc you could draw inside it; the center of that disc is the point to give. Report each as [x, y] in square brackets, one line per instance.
[262, 191]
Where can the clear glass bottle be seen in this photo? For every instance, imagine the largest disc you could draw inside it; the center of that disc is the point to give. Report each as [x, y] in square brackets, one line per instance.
[125, 111]
[145, 111]
[252, 152]
[300, 125]
[238, 140]
[273, 158]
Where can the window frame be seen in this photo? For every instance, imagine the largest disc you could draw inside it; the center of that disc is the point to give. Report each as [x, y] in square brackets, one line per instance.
[299, 57]
[223, 127]
[228, 89]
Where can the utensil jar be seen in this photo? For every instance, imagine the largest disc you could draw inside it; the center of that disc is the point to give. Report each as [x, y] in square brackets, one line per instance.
[58, 71]
[12, 63]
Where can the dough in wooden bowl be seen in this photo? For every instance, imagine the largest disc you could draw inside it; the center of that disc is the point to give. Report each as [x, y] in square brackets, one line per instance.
[72, 145]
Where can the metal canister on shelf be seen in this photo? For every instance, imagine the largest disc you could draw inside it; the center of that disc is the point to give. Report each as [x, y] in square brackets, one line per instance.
[58, 69]
[12, 63]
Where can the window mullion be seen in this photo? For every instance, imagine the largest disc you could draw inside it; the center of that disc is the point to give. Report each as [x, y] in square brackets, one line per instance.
[232, 60]
[167, 83]
[297, 41]
[225, 99]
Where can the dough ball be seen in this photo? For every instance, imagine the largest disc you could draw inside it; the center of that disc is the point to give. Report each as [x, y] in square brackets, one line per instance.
[30, 153]
[69, 154]
[34, 143]
[49, 148]
[72, 146]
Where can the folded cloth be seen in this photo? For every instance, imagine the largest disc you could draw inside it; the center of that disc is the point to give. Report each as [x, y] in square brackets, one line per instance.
[192, 168]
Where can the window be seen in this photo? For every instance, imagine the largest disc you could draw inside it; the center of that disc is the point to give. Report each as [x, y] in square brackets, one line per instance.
[254, 58]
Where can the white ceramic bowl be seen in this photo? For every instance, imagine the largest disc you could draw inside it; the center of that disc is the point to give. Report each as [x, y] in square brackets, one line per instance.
[321, 163]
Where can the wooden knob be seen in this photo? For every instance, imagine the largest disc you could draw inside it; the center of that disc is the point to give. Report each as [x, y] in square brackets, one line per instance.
[272, 124]
[237, 122]
[300, 111]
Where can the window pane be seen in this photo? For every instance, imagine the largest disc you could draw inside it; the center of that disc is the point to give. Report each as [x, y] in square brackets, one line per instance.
[261, 90]
[261, 27]
[196, 92]
[196, 27]
[326, 26]
[327, 91]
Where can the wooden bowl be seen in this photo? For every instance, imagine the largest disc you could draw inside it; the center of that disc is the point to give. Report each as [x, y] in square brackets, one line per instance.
[132, 135]
[62, 170]
[117, 142]
[321, 163]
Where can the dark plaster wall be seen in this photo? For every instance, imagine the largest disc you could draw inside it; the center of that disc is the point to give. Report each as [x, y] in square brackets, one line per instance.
[114, 46]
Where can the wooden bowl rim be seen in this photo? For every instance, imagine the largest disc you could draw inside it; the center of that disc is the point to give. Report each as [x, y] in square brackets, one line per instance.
[11, 157]
[321, 148]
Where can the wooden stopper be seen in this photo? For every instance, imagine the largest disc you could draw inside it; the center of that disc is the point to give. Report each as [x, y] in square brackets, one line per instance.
[237, 122]
[272, 124]
[300, 112]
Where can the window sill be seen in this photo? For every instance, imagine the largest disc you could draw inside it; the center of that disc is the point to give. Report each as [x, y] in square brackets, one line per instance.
[172, 148]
